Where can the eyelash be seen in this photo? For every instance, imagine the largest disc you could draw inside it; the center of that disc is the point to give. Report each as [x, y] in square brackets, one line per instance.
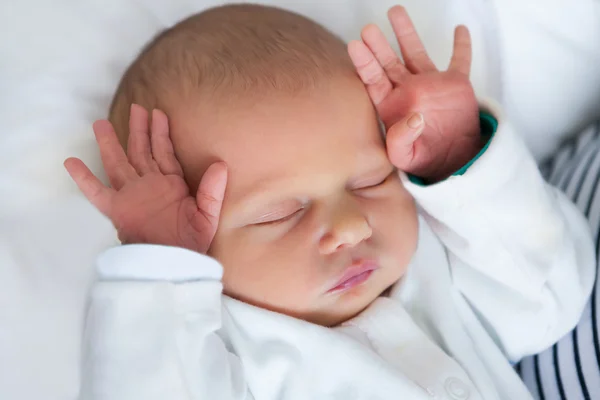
[376, 184]
[290, 216]
[280, 220]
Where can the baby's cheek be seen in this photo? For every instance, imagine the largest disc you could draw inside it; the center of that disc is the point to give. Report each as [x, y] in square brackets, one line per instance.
[271, 286]
[395, 228]
[277, 275]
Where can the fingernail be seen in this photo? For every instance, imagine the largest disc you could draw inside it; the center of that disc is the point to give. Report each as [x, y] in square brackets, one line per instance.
[415, 121]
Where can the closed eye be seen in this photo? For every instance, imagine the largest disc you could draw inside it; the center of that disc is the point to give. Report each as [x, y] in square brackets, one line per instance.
[273, 219]
[376, 183]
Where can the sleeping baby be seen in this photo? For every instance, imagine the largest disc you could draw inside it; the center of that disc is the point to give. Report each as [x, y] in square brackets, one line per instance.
[303, 219]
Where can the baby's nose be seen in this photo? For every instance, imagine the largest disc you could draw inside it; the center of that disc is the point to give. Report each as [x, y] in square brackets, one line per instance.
[348, 228]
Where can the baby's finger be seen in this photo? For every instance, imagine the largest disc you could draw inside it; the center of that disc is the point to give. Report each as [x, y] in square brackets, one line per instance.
[400, 140]
[91, 187]
[138, 144]
[462, 53]
[413, 52]
[162, 147]
[385, 55]
[370, 71]
[115, 161]
[211, 192]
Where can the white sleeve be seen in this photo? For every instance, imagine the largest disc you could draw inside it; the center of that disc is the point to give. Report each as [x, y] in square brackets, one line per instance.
[520, 252]
[151, 329]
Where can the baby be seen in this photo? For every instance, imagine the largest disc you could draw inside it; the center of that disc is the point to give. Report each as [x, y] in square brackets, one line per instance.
[303, 268]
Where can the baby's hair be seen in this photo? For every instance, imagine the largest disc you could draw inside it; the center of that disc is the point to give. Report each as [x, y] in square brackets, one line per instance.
[234, 50]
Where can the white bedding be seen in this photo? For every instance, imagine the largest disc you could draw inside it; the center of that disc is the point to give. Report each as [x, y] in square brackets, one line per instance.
[60, 61]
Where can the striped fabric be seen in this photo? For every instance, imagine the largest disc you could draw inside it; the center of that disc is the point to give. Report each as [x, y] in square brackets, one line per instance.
[571, 368]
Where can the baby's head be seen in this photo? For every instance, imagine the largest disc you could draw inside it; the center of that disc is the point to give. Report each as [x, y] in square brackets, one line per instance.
[311, 194]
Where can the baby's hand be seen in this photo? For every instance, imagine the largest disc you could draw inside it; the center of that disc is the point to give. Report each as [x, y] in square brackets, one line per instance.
[149, 201]
[450, 136]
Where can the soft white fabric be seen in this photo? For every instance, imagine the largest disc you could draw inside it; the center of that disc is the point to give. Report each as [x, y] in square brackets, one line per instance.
[550, 63]
[44, 281]
[61, 60]
[509, 275]
[148, 262]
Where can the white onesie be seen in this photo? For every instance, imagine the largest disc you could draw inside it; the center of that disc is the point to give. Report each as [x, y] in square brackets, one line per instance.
[503, 269]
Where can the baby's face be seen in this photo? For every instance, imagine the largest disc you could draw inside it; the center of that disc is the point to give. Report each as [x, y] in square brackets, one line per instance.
[312, 201]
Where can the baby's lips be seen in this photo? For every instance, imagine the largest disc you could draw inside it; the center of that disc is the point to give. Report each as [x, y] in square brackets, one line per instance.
[355, 274]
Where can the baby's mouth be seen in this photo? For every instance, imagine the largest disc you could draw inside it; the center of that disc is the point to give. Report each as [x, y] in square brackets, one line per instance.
[355, 275]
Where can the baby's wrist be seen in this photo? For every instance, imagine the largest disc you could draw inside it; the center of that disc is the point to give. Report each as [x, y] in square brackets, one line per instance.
[469, 150]
[473, 145]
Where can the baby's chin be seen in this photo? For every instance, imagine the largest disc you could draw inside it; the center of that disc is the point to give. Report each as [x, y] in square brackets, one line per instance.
[328, 309]
[334, 310]
[348, 305]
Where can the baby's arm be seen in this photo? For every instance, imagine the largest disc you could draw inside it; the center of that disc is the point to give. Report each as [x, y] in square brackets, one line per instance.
[520, 252]
[151, 329]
